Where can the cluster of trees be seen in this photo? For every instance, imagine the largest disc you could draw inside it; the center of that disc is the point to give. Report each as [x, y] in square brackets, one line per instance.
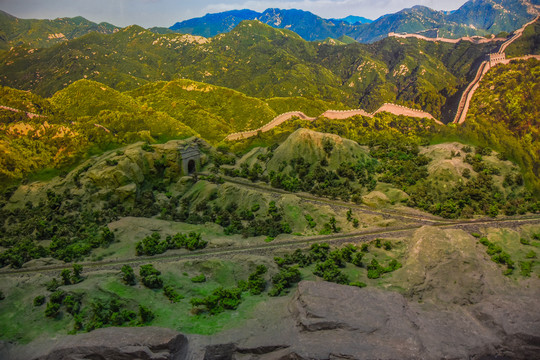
[479, 195]
[498, 255]
[74, 232]
[150, 277]
[375, 270]
[222, 299]
[152, 245]
[248, 222]
[400, 163]
[219, 300]
[256, 283]
[98, 313]
[328, 263]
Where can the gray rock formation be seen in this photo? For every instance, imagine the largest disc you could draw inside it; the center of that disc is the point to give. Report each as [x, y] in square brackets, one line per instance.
[329, 321]
[108, 343]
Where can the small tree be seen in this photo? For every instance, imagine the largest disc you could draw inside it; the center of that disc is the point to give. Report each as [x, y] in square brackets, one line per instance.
[52, 310]
[328, 146]
[39, 300]
[128, 276]
[66, 275]
[77, 270]
[146, 314]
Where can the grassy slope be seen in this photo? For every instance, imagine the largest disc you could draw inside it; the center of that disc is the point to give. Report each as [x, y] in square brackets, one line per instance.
[528, 43]
[212, 111]
[504, 114]
[45, 33]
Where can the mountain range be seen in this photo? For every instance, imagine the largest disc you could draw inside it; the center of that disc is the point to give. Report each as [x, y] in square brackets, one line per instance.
[475, 17]
[45, 33]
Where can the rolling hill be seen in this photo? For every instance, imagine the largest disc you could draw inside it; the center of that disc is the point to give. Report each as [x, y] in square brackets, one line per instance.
[257, 60]
[45, 33]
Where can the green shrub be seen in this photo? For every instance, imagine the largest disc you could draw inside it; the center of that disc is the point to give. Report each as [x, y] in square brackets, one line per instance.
[199, 278]
[526, 267]
[284, 279]
[329, 271]
[220, 300]
[310, 221]
[77, 270]
[128, 276]
[152, 281]
[256, 282]
[66, 276]
[357, 259]
[57, 297]
[52, 310]
[524, 241]
[52, 285]
[150, 277]
[531, 255]
[171, 294]
[72, 302]
[358, 284]
[39, 300]
[146, 314]
[348, 251]
[147, 147]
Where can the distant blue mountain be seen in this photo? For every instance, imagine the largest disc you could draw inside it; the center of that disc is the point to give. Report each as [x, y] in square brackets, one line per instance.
[306, 24]
[213, 24]
[351, 19]
[475, 17]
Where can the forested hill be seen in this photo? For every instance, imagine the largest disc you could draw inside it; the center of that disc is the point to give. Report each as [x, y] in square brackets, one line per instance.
[257, 60]
[45, 33]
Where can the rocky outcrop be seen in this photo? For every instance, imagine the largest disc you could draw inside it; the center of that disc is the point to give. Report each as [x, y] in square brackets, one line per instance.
[109, 343]
[329, 321]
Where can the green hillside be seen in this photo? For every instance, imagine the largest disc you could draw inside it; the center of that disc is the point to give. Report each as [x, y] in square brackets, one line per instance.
[527, 44]
[212, 111]
[35, 33]
[257, 60]
[89, 98]
[504, 115]
[86, 117]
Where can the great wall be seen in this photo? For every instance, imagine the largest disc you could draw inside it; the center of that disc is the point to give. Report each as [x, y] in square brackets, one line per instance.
[29, 114]
[463, 107]
[332, 114]
[492, 59]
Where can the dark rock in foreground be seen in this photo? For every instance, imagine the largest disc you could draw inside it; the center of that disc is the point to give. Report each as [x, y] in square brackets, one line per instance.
[142, 343]
[329, 321]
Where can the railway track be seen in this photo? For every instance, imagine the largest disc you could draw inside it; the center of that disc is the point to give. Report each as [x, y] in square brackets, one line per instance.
[270, 248]
[387, 213]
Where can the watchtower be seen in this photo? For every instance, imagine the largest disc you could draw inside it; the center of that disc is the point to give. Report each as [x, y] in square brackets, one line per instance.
[191, 158]
[496, 58]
